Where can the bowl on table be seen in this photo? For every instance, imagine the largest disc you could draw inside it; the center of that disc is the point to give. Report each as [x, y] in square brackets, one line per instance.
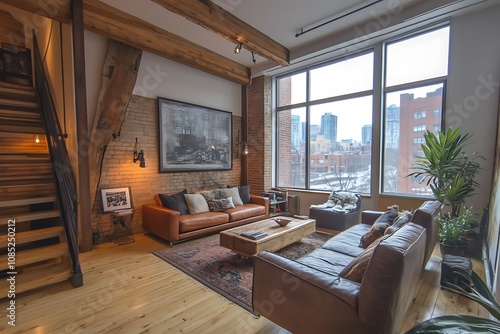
[282, 221]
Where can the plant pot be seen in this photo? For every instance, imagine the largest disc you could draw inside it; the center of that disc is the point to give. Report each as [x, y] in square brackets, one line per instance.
[452, 249]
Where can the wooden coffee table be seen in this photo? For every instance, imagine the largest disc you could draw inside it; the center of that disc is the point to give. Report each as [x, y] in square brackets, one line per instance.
[277, 238]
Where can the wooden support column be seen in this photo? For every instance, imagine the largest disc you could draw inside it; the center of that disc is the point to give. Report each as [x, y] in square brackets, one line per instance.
[119, 75]
[85, 206]
[244, 134]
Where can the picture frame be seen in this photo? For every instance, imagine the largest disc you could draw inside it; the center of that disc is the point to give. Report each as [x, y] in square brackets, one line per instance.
[193, 138]
[116, 199]
[16, 65]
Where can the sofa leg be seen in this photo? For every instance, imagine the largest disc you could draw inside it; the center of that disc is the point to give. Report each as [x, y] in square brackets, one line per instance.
[170, 244]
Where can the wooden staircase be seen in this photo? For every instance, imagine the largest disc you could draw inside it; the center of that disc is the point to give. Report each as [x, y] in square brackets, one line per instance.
[28, 196]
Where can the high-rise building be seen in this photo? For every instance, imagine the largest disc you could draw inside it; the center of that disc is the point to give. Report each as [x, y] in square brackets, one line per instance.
[366, 135]
[296, 133]
[329, 127]
[392, 125]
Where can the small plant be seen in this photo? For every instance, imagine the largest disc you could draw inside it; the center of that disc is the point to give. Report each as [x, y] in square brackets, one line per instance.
[452, 229]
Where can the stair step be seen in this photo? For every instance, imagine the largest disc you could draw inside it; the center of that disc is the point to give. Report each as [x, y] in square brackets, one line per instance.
[33, 235]
[24, 158]
[14, 169]
[28, 116]
[25, 176]
[29, 216]
[21, 127]
[5, 101]
[29, 93]
[26, 183]
[35, 255]
[27, 201]
[32, 278]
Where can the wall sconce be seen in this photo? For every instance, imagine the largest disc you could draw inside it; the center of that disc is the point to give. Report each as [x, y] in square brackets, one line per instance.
[139, 155]
[237, 49]
[240, 145]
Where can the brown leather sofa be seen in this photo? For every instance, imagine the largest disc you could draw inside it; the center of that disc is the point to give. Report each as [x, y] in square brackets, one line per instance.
[172, 226]
[307, 295]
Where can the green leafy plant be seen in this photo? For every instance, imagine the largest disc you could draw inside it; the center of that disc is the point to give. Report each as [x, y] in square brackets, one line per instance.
[447, 169]
[447, 324]
[452, 229]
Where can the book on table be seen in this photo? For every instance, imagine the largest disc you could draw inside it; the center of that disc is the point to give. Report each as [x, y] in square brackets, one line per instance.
[254, 234]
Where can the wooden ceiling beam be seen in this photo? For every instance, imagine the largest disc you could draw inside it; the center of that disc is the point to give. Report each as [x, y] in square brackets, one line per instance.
[216, 19]
[122, 27]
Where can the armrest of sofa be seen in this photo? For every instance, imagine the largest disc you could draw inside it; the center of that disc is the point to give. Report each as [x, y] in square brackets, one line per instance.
[370, 216]
[161, 221]
[261, 200]
[283, 287]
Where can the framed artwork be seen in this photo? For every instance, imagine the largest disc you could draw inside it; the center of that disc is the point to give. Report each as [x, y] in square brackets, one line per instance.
[115, 199]
[16, 64]
[193, 138]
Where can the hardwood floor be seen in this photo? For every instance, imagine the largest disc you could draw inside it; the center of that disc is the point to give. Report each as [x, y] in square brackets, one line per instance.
[129, 290]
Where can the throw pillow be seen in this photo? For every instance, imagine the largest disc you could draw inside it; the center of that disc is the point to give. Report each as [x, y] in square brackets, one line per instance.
[355, 270]
[403, 219]
[234, 193]
[175, 202]
[221, 204]
[376, 231]
[196, 203]
[245, 194]
[214, 194]
[389, 216]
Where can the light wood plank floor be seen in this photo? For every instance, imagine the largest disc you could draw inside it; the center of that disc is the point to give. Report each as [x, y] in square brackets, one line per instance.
[129, 290]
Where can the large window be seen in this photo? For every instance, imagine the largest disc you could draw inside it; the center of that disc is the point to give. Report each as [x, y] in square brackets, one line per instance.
[324, 123]
[416, 70]
[325, 115]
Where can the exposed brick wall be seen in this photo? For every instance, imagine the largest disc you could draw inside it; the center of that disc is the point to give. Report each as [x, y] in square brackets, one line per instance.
[118, 169]
[259, 134]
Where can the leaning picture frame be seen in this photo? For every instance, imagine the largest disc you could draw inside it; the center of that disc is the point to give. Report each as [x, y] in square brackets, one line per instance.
[116, 199]
[193, 138]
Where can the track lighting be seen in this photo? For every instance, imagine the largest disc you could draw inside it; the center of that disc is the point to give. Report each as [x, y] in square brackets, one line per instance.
[237, 49]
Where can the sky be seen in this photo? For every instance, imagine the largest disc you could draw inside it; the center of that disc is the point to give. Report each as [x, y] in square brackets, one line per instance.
[410, 60]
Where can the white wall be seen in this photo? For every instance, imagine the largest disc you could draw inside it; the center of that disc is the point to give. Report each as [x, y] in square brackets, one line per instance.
[473, 88]
[160, 77]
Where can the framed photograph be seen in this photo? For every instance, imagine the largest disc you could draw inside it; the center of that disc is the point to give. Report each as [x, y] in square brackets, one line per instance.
[115, 199]
[16, 64]
[193, 138]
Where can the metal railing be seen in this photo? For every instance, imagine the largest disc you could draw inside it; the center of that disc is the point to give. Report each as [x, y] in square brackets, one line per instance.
[61, 164]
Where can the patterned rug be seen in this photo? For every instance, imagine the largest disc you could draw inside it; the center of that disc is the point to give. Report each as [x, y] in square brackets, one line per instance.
[226, 272]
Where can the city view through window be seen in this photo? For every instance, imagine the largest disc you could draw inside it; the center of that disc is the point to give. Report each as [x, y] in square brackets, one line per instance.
[325, 142]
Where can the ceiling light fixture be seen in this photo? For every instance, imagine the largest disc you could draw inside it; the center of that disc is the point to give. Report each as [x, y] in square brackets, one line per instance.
[237, 49]
[338, 17]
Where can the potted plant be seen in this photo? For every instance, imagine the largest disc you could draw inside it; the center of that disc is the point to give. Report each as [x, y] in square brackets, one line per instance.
[447, 169]
[452, 231]
[450, 173]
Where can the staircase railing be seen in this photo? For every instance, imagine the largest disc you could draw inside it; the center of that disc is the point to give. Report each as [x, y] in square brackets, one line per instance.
[63, 172]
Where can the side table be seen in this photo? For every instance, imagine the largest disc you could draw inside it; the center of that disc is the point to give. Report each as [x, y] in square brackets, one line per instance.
[123, 231]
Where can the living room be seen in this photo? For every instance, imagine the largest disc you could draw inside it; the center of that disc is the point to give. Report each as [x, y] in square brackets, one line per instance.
[473, 63]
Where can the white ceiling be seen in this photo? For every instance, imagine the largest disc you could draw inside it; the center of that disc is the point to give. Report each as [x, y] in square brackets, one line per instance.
[282, 19]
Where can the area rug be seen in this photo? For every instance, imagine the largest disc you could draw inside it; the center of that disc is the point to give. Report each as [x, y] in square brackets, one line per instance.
[225, 272]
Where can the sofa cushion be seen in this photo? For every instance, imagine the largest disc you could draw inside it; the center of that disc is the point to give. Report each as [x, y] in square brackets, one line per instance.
[326, 261]
[198, 221]
[220, 204]
[245, 211]
[175, 202]
[196, 203]
[347, 241]
[234, 194]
